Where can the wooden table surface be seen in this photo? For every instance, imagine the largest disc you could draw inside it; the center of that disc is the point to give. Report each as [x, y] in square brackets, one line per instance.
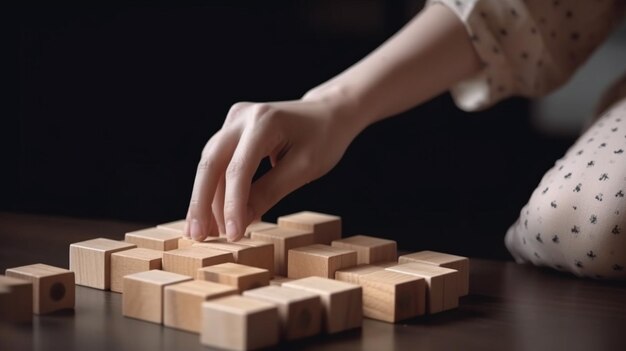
[510, 306]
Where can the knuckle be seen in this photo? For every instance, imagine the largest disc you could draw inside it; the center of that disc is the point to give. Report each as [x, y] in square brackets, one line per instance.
[205, 163]
[236, 111]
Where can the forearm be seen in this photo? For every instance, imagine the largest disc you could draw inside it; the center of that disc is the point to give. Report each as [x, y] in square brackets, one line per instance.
[424, 59]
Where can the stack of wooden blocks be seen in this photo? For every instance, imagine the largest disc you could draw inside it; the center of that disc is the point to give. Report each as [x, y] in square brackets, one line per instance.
[283, 281]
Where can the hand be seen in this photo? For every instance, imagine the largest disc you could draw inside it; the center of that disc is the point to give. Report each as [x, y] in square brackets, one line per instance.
[304, 139]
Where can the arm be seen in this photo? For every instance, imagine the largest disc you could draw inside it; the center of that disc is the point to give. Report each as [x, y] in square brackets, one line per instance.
[306, 138]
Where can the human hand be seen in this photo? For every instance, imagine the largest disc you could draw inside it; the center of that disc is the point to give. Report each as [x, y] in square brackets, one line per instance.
[304, 139]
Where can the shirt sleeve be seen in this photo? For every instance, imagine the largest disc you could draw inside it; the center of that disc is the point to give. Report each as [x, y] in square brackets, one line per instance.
[528, 47]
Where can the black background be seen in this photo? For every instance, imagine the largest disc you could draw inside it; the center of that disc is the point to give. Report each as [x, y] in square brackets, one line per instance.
[116, 100]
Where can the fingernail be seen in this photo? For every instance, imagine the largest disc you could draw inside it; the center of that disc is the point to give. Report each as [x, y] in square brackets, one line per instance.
[231, 229]
[196, 232]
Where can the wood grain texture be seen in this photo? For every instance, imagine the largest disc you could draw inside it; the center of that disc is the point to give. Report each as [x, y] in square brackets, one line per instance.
[239, 323]
[391, 297]
[283, 240]
[353, 274]
[325, 227]
[154, 238]
[132, 261]
[90, 261]
[53, 287]
[248, 252]
[459, 263]
[188, 260]
[16, 300]
[318, 260]
[236, 275]
[369, 249]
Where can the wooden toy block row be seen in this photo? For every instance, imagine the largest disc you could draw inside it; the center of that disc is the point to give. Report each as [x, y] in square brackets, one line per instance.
[324, 227]
[299, 311]
[342, 304]
[258, 227]
[91, 261]
[182, 303]
[239, 323]
[248, 252]
[132, 261]
[387, 296]
[188, 260]
[239, 276]
[16, 300]
[458, 263]
[283, 240]
[442, 291]
[369, 249]
[53, 287]
[154, 238]
[179, 227]
[143, 294]
[318, 260]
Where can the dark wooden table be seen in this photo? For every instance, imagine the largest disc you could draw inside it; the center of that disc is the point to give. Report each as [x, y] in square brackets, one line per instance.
[510, 306]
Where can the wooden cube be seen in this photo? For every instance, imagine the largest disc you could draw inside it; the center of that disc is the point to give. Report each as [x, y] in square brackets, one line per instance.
[353, 274]
[185, 242]
[342, 304]
[132, 261]
[53, 287]
[369, 249]
[258, 227]
[91, 261]
[177, 226]
[236, 275]
[182, 303]
[188, 260]
[283, 241]
[143, 294]
[325, 227]
[279, 280]
[248, 252]
[300, 311]
[442, 292]
[239, 323]
[458, 263]
[390, 296]
[16, 300]
[154, 238]
[319, 260]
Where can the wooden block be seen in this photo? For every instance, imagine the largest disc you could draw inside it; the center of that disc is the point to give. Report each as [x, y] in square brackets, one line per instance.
[325, 227]
[143, 294]
[279, 280]
[188, 260]
[53, 287]
[300, 311]
[390, 296]
[236, 275]
[319, 260]
[177, 226]
[283, 241]
[258, 227]
[352, 275]
[441, 284]
[369, 249]
[132, 261]
[182, 303]
[458, 263]
[91, 261]
[184, 242]
[154, 238]
[342, 304]
[16, 300]
[239, 323]
[248, 252]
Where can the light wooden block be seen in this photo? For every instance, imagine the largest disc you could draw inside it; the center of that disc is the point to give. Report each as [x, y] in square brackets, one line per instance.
[185, 242]
[279, 280]
[53, 287]
[143, 294]
[132, 261]
[236, 275]
[353, 274]
[16, 300]
[91, 261]
[442, 291]
[319, 260]
[369, 249]
[188, 260]
[342, 304]
[177, 226]
[458, 263]
[300, 311]
[239, 323]
[325, 227]
[248, 252]
[283, 240]
[390, 296]
[258, 227]
[182, 303]
[154, 238]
